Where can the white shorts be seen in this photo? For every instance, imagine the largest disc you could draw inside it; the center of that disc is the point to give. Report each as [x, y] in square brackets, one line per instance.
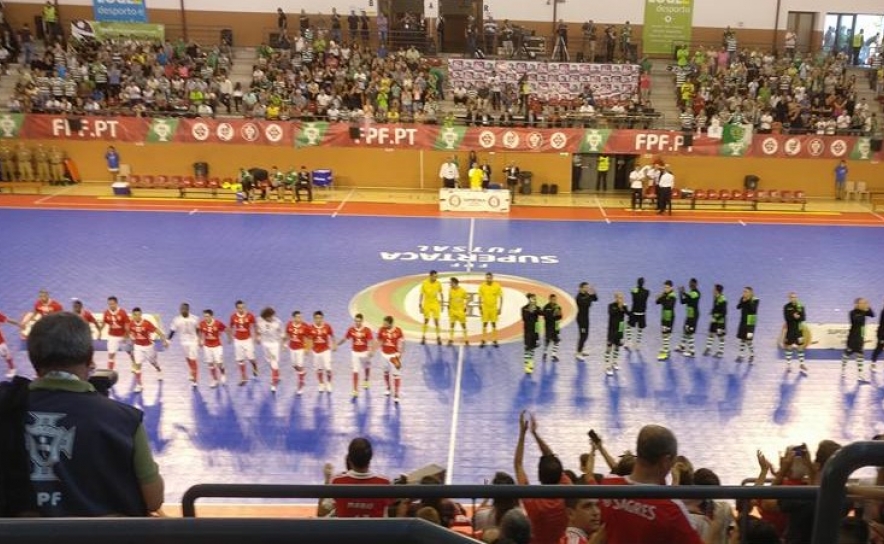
[144, 354]
[190, 349]
[360, 359]
[4, 351]
[322, 361]
[297, 356]
[115, 344]
[244, 350]
[271, 353]
[214, 355]
[391, 368]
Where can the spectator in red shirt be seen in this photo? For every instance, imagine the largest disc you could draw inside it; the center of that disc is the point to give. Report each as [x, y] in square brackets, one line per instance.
[359, 456]
[548, 516]
[651, 521]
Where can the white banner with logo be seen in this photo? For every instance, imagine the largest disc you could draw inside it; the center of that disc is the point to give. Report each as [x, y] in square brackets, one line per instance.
[834, 335]
[466, 200]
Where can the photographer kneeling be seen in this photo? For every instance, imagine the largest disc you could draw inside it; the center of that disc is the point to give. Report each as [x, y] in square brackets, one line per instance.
[83, 453]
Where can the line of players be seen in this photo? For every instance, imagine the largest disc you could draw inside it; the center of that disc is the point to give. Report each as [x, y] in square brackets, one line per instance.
[626, 326]
[134, 334]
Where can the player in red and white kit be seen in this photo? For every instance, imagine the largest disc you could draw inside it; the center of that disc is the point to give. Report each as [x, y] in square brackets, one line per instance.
[296, 334]
[85, 315]
[359, 455]
[44, 306]
[270, 331]
[186, 326]
[210, 331]
[361, 337]
[5, 353]
[116, 320]
[392, 344]
[242, 330]
[141, 331]
[322, 339]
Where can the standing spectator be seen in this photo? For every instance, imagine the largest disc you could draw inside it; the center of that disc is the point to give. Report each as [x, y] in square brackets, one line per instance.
[359, 456]
[548, 516]
[364, 28]
[790, 42]
[304, 22]
[353, 25]
[656, 451]
[840, 178]
[282, 22]
[589, 40]
[801, 513]
[383, 27]
[26, 41]
[99, 432]
[336, 35]
[113, 162]
[858, 39]
[487, 518]
[50, 22]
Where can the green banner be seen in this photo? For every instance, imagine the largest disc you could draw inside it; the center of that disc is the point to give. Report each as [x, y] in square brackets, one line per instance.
[594, 140]
[98, 30]
[311, 134]
[735, 140]
[862, 150]
[162, 130]
[450, 138]
[10, 125]
[668, 23]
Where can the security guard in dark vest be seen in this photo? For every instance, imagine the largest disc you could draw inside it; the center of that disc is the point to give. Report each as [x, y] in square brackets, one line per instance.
[86, 455]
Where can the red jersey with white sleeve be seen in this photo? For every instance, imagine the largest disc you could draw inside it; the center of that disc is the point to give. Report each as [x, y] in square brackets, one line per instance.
[574, 535]
[296, 333]
[649, 521]
[390, 339]
[3, 319]
[360, 337]
[141, 331]
[116, 322]
[241, 325]
[49, 307]
[361, 508]
[321, 337]
[87, 316]
[211, 332]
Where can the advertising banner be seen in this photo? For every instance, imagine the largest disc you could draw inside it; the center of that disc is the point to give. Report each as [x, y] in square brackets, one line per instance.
[97, 30]
[120, 11]
[667, 23]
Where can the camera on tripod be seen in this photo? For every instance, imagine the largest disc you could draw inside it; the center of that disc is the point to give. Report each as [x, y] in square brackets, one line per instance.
[102, 380]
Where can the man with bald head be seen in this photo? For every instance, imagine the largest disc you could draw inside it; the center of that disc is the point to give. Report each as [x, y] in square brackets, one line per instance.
[651, 521]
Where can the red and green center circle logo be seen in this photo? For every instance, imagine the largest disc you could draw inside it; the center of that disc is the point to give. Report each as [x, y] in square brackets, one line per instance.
[400, 298]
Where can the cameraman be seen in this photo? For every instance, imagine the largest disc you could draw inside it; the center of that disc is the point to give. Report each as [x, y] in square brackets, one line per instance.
[561, 41]
[89, 455]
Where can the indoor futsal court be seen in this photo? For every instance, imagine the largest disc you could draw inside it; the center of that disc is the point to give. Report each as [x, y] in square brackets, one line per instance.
[459, 405]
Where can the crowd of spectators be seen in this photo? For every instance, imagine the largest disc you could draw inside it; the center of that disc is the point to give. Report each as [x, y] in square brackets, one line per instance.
[655, 461]
[789, 93]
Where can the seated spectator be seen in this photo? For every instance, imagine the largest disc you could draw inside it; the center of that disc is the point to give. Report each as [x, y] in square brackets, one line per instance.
[359, 456]
[489, 517]
[515, 528]
[584, 522]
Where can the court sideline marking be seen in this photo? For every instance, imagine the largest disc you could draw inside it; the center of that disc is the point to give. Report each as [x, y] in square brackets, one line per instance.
[47, 198]
[458, 376]
[876, 214]
[343, 203]
[602, 209]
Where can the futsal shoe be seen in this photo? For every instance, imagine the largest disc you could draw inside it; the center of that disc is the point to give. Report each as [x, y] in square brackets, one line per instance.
[365, 384]
[803, 368]
[555, 358]
[663, 356]
[213, 384]
[138, 388]
[254, 369]
[321, 387]
[861, 377]
[482, 344]
[690, 354]
[328, 387]
[739, 359]
[495, 344]
[529, 367]
[159, 374]
[438, 340]
[581, 356]
[451, 342]
[387, 392]
[273, 389]
[396, 399]
[609, 371]
[243, 382]
[707, 352]
[719, 355]
[355, 393]
[751, 359]
[193, 384]
[424, 341]
[10, 373]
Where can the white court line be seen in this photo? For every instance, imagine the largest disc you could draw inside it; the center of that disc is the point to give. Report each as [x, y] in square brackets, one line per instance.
[470, 243]
[742, 222]
[602, 209]
[48, 197]
[879, 216]
[455, 415]
[193, 211]
[343, 202]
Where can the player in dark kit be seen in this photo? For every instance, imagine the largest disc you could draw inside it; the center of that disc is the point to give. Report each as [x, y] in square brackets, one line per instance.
[879, 347]
[531, 315]
[748, 307]
[552, 315]
[793, 335]
[666, 300]
[690, 297]
[856, 337]
[718, 324]
[617, 312]
[637, 320]
[584, 299]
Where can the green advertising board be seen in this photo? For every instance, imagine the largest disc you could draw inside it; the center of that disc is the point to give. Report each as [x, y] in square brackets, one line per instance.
[668, 23]
[98, 30]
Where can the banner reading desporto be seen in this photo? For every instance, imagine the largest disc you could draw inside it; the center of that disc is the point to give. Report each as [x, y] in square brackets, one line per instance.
[667, 23]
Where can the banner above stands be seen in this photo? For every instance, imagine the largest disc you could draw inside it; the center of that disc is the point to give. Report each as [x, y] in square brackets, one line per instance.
[162, 131]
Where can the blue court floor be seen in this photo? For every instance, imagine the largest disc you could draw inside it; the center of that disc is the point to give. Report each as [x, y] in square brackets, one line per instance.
[460, 406]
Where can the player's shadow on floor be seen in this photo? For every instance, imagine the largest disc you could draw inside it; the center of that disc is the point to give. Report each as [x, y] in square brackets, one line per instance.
[788, 390]
[546, 391]
[471, 381]
[698, 377]
[219, 427]
[153, 415]
[668, 395]
[849, 396]
[615, 391]
[310, 437]
[638, 373]
[440, 365]
[731, 405]
[582, 400]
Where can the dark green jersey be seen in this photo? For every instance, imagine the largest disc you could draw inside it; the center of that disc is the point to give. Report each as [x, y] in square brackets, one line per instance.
[719, 309]
[748, 311]
[667, 301]
[691, 299]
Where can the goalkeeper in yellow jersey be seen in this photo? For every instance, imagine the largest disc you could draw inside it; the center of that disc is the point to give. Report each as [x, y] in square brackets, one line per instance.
[457, 310]
[491, 304]
[431, 305]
